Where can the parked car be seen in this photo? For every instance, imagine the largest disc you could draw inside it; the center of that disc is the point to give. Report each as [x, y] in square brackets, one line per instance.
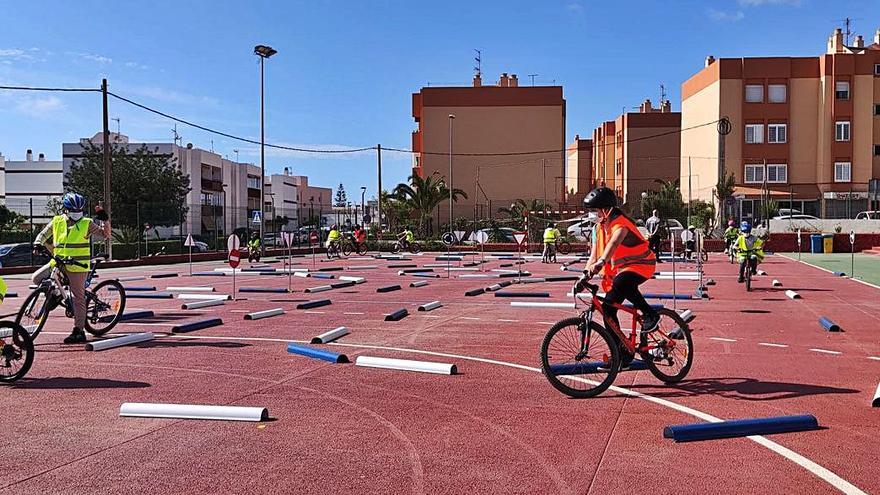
[505, 232]
[798, 216]
[20, 255]
[581, 228]
[200, 247]
[868, 215]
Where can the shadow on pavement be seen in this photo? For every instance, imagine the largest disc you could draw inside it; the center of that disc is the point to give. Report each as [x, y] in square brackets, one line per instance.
[741, 388]
[189, 343]
[70, 383]
[755, 311]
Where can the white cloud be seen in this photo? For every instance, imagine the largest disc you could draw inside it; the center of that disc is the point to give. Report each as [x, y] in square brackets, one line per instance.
[722, 16]
[96, 58]
[575, 7]
[40, 107]
[14, 54]
[135, 65]
[758, 3]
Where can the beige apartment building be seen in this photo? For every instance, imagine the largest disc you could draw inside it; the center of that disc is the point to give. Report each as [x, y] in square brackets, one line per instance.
[635, 150]
[508, 143]
[578, 170]
[806, 129]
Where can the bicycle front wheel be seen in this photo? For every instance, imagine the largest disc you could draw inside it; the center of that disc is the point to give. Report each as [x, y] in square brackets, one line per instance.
[35, 311]
[579, 358]
[415, 248]
[564, 247]
[346, 249]
[362, 249]
[104, 307]
[16, 351]
[670, 352]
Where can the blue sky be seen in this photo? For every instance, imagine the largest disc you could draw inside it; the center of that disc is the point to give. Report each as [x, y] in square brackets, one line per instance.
[345, 70]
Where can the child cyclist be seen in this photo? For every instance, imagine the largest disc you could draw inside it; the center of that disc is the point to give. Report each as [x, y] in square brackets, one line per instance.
[730, 236]
[750, 251]
[623, 257]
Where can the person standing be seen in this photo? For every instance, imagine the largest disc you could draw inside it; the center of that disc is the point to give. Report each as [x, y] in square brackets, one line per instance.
[652, 225]
[68, 235]
[551, 237]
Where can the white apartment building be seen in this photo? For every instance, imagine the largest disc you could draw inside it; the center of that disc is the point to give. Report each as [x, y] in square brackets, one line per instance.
[26, 186]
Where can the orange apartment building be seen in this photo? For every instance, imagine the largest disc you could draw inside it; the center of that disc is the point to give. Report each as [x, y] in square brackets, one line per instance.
[805, 128]
[631, 152]
[508, 143]
[578, 168]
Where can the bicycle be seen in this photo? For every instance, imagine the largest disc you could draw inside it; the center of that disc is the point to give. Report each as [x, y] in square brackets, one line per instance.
[412, 247]
[549, 254]
[731, 251]
[750, 268]
[579, 346]
[16, 352]
[333, 250]
[563, 247]
[104, 304]
[352, 246]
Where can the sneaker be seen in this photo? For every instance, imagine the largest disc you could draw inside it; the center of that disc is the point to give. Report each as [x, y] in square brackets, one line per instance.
[650, 322]
[740, 280]
[77, 336]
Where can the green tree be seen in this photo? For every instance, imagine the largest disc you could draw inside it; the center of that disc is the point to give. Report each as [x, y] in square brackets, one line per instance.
[724, 189]
[703, 215]
[10, 220]
[423, 195]
[341, 197]
[666, 200]
[516, 211]
[145, 187]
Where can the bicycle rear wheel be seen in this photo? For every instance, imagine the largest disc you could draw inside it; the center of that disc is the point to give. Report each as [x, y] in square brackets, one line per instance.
[35, 311]
[415, 248]
[16, 351]
[104, 307]
[579, 358]
[672, 352]
[564, 247]
[346, 249]
[362, 249]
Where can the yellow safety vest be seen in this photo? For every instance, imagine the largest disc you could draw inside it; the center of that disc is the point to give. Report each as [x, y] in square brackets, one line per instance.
[756, 245]
[2, 289]
[333, 235]
[73, 242]
[409, 236]
[550, 235]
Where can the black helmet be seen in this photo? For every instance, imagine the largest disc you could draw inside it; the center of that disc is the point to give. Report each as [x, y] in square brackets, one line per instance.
[601, 197]
[550, 225]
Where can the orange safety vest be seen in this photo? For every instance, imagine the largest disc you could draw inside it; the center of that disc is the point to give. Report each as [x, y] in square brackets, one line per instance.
[639, 258]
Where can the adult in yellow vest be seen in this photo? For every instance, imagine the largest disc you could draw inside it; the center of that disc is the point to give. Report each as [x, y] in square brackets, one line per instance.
[67, 235]
[551, 237]
[2, 290]
[623, 256]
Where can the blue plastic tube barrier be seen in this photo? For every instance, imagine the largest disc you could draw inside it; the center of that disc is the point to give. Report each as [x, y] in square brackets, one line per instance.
[311, 352]
[209, 274]
[133, 315]
[388, 288]
[521, 294]
[322, 275]
[587, 367]
[668, 296]
[475, 292]
[150, 295]
[829, 325]
[839, 274]
[134, 288]
[741, 428]
[397, 315]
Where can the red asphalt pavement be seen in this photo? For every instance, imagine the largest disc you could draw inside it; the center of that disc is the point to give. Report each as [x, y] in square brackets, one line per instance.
[496, 427]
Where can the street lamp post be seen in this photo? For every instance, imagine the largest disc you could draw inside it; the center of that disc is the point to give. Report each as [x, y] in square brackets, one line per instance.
[451, 120]
[363, 205]
[263, 52]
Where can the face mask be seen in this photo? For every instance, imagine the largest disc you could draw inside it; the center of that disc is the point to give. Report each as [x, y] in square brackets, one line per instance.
[74, 215]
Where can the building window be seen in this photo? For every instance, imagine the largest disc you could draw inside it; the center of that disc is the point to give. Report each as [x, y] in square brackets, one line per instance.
[877, 150]
[777, 133]
[841, 90]
[777, 173]
[754, 93]
[754, 133]
[877, 69]
[776, 93]
[876, 109]
[842, 172]
[754, 174]
[841, 130]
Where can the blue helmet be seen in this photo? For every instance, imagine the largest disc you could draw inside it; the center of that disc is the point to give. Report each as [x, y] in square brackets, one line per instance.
[73, 202]
[745, 227]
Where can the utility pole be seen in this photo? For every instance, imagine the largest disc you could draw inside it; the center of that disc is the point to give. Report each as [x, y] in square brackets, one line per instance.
[451, 121]
[532, 77]
[379, 195]
[107, 163]
[544, 181]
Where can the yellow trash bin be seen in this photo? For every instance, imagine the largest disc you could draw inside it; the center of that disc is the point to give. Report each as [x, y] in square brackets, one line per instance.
[828, 243]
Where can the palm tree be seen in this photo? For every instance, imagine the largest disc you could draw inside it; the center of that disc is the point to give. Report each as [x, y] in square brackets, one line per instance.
[517, 210]
[424, 194]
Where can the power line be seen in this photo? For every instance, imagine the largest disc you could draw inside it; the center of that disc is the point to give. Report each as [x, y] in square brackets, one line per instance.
[68, 90]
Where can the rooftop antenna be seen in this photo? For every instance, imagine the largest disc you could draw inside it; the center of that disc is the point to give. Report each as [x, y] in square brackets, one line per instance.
[662, 94]
[117, 127]
[478, 60]
[848, 23]
[212, 146]
[177, 138]
[532, 77]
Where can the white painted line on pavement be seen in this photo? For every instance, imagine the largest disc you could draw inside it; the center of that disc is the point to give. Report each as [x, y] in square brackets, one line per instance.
[509, 321]
[874, 358]
[826, 351]
[722, 339]
[768, 344]
[353, 313]
[469, 318]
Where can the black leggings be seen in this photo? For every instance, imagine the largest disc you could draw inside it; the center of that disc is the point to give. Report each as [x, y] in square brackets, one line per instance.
[625, 286]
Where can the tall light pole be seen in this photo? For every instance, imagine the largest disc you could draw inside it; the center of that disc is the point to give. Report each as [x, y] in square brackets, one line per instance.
[263, 52]
[363, 205]
[451, 120]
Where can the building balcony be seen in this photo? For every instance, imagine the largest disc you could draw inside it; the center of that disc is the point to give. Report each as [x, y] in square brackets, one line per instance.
[212, 185]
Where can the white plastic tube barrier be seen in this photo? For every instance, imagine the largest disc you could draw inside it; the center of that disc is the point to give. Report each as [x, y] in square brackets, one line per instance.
[357, 280]
[228, 270]
[406, 365]
[130, 279]
[677, 277]
[207, 297]
[504, 270]
[777, 283]
[419, 283]
[331, 335]
[256, 315]
[457, 269]
[792, 294]
[429, 306]
[100, 345]
[528, 304]
[189, 411]
[677, 273]
[203, 304]
[585, 296]
[319, 288]
[761, 272]
[876, 401]
[476, 275]
[189, 289]
[301, 274]
[363, 267]
[687, 315]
